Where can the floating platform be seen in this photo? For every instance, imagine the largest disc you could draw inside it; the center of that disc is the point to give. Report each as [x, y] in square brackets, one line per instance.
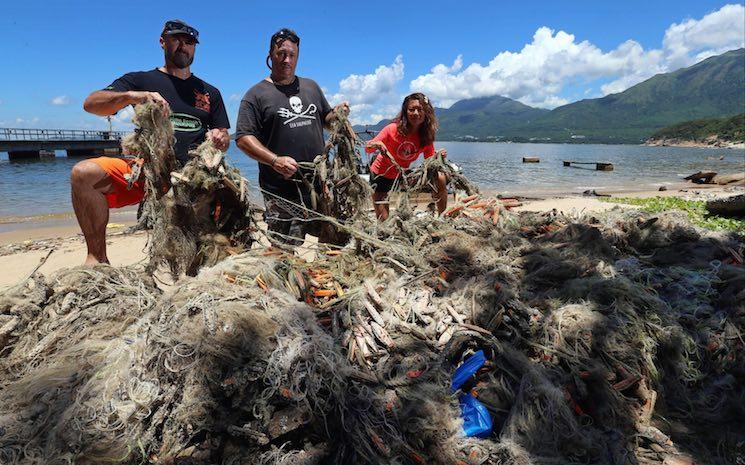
[531, 160]
[599, 166]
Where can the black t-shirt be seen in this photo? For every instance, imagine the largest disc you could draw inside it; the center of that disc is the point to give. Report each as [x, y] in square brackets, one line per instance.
[196, 106]
[288, 120]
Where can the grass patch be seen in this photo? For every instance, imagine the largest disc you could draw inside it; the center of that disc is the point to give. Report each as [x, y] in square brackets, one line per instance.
[695, 209]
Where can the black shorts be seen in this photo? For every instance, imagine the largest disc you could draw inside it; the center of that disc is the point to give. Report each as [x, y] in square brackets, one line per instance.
[381, 184]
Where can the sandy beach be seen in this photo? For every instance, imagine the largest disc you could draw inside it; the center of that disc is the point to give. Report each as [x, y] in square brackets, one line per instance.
[54, 243]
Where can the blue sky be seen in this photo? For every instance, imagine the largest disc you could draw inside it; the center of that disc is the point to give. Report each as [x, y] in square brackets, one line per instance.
[542, 53]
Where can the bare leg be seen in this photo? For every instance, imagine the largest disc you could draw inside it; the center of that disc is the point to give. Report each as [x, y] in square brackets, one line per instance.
[90, 184]
[440, 195]
[381, 207]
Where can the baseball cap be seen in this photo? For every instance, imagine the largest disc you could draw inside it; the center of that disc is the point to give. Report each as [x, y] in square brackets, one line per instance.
[176, 26]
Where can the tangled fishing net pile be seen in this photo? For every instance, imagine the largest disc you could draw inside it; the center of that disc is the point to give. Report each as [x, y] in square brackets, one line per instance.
[614, 339]
[200, 213]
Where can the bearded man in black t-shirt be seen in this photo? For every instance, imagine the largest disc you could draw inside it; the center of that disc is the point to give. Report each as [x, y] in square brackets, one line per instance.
[197, 112]
[280, 123]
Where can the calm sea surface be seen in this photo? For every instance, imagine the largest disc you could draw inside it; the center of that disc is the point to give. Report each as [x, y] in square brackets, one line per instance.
[40, 187]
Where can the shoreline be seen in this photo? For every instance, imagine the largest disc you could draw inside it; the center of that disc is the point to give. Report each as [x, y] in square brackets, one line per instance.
[55, 242]
[18, 230]
[127, 215]
[713, 143]
[55, 225]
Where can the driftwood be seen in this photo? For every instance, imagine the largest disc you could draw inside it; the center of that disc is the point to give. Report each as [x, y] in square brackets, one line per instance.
[594, 193]
[701, 177]
[729, 178]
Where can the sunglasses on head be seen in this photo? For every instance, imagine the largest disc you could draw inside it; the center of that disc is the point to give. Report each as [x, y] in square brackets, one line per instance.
[285, 34]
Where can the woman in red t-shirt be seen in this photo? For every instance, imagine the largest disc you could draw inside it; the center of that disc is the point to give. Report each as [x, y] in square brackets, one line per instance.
[412, 132]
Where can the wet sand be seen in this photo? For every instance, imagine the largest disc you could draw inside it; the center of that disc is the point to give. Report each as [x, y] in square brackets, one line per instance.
[17, 229]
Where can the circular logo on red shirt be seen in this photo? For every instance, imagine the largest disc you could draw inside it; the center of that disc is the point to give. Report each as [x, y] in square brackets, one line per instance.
[406, 151]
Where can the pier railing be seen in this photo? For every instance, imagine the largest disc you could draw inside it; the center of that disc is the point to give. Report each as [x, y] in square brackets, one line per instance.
[17, 134]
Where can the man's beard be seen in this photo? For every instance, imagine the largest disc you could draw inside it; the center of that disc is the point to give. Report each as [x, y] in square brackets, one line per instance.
[180, 59]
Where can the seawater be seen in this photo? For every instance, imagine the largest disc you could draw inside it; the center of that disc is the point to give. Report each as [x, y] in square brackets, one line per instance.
[41, 187]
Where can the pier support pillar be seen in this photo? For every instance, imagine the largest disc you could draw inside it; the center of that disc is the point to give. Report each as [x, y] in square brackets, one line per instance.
[23, 155]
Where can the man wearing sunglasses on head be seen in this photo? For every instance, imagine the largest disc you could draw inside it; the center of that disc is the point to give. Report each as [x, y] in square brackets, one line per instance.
[280, 123]
[197, 112]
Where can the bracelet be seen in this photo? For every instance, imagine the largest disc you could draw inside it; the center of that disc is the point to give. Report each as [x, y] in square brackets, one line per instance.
[273, 161]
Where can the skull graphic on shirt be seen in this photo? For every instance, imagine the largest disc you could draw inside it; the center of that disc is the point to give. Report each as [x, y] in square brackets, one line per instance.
[296, 104]
[296, 112]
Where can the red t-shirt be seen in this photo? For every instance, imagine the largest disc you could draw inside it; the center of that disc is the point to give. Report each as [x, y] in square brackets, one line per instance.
[404, 148]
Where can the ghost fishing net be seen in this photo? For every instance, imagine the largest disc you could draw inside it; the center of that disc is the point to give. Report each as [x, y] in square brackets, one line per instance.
[336, 189]
[424, 177]
[614, 338]
[603, 343]
[200, 213]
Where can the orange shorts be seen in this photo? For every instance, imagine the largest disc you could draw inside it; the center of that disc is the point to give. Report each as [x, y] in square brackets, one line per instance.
[116, 168]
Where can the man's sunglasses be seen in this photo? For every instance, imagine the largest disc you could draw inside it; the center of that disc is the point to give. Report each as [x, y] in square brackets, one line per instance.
[285, 34]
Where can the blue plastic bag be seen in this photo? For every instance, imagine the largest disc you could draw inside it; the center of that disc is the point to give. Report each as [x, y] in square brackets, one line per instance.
[467, 369]
[476, 419]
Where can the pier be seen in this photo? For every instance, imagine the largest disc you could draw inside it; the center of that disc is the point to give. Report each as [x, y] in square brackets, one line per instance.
[36, 143]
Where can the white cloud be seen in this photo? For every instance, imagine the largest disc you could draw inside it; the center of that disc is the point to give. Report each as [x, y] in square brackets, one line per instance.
[23, 121]
[122, 121]
[694, 40]
[234, 98]
[368, 88]
[371, 95]
[537, 74]
[60, 100]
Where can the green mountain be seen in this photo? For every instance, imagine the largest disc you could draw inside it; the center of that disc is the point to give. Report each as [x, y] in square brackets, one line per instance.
[720, 129]
[712, 88]
[476, 117]
[485, 116]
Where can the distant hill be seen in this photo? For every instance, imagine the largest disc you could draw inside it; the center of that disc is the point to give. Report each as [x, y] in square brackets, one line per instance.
[712, 88]
[709, 132]
[475, 117]
[484, 117]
